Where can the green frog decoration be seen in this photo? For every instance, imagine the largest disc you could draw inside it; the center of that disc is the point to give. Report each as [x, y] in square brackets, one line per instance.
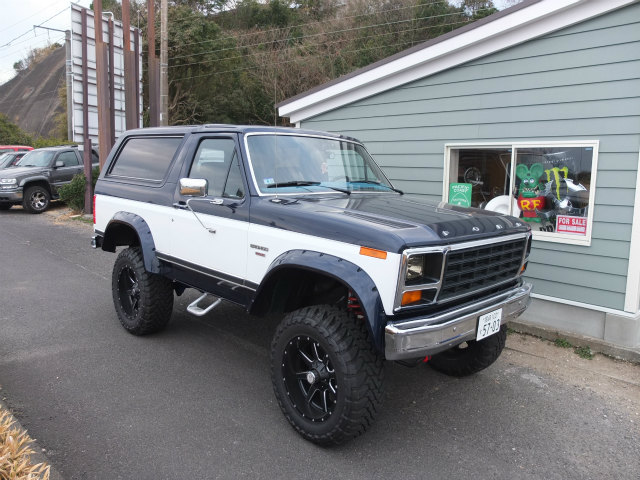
[530, 199]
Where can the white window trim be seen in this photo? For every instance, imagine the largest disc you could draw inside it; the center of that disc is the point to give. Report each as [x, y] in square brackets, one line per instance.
[632, 294]
[567, 239]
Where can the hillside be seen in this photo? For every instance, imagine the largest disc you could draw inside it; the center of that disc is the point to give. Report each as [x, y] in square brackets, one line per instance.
[31, 99]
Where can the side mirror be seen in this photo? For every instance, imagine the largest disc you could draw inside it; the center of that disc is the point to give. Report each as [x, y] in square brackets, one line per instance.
[194, 187]
[59, 164]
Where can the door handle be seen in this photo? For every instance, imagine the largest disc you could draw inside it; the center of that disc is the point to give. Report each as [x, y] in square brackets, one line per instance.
[181, 205]
[216, 201]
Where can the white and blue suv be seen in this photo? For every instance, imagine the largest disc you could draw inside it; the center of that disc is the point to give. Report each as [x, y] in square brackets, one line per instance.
[305, 224]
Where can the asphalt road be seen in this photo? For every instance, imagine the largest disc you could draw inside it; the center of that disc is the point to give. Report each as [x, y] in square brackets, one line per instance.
[195, 401]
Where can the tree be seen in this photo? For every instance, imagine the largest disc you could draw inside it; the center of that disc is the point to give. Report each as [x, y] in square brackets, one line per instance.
[11, 134]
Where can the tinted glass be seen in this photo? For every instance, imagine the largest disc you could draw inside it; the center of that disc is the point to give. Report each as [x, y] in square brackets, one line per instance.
[212, 162]
[145, 158]
[69, 159]
[234, 187]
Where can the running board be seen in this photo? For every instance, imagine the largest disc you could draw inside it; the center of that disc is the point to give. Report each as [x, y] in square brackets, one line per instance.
[194, 309]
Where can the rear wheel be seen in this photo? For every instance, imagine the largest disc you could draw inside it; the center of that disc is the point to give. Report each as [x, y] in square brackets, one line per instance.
[326, 375]
[143, 300]
[470, 357]
[36, 199]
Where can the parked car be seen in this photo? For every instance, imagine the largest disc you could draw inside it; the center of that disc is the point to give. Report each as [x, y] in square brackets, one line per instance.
[34, 181]
[305, 224]
[14, 148]
[9, 159]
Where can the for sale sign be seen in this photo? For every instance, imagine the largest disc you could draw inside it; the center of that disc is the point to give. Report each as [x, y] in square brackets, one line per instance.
[568, 224]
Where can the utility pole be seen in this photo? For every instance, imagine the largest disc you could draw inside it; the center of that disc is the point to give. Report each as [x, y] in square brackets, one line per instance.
[154, 94]
[102, 80]
[164, 61]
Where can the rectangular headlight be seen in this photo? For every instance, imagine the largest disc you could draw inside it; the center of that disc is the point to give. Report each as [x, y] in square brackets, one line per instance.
[10, 181]
[424, 268]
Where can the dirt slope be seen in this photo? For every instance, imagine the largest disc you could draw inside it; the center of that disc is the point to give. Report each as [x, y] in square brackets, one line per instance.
[31, 99]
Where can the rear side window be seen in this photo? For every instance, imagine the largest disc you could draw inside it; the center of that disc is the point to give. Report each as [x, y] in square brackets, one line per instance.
[145, 158]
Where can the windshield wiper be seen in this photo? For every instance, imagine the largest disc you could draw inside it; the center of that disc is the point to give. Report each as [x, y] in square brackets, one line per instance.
[373, 182]
[306, 183]
[293, 183]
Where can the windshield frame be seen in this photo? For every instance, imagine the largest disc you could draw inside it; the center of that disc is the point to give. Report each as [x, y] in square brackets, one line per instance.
[329, 189]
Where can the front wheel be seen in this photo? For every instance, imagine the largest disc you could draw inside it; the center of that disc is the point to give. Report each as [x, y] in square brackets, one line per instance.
[143, 300]
[470, 357]
[36, 199]
[326, 375]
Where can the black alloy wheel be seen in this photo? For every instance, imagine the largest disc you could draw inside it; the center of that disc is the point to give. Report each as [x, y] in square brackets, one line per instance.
[129, 291]
[309, 378]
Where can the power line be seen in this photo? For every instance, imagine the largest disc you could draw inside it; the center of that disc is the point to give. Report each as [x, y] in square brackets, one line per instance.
[319, 34]
[25, 19]
[255, 67]
[261, 32]
[306, 46]
[28, 31]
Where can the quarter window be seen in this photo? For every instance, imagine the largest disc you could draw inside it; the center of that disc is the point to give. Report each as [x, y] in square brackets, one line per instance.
[146, 158]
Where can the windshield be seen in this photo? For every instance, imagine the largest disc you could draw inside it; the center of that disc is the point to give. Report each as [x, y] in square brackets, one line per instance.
[294, 164]
[36, 158]
[5, 159]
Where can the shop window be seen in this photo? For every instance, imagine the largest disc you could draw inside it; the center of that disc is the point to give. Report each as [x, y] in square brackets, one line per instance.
[550, 186]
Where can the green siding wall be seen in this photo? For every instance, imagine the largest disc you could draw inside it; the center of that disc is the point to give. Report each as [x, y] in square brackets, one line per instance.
[582, 82]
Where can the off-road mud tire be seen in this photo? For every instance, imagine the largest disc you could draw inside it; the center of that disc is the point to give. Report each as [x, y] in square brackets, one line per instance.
[355, 393]
[143, 300]
[471, 357]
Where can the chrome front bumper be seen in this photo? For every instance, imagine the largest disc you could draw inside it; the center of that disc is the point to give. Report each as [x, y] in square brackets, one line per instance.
[418, 337]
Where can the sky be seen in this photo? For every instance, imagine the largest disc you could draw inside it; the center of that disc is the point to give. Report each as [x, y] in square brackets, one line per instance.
[18, 37]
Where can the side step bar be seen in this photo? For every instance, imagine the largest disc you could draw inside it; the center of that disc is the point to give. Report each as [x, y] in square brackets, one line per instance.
[195, 309]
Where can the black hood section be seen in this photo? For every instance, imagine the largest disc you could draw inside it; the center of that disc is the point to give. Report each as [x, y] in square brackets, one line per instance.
[388, 222]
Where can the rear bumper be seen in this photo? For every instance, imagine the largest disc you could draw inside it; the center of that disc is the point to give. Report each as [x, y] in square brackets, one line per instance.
[418, 337]
[96, 241]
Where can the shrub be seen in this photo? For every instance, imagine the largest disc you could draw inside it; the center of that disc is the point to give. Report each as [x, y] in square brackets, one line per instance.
[73, 193]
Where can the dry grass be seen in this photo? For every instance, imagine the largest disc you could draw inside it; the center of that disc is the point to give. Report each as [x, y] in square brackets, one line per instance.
[16, 451]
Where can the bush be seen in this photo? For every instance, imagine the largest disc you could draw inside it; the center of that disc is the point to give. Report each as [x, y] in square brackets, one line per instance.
[73, 193]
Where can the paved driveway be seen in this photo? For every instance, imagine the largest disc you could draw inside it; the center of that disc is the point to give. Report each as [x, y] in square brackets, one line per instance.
[195, 401]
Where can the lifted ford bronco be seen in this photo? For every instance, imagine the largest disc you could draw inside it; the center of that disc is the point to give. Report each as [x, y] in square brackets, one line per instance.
[306, 224]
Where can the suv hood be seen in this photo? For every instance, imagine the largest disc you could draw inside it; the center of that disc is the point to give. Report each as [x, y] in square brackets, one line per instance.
[388, 222]
[21, 172]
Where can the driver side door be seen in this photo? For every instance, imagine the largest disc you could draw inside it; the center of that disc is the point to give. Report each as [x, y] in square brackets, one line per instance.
[211, 232]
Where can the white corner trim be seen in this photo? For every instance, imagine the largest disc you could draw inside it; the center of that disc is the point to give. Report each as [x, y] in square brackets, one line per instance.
[518, 27]
[632, 294]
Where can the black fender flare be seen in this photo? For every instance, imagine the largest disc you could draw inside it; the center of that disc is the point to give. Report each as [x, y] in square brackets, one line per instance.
[145, 238]
[343, 271]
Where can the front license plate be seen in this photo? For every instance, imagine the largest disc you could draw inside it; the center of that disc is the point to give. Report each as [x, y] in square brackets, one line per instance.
[488, 324]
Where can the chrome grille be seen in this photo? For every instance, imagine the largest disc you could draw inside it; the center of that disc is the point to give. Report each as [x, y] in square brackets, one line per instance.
[479, 268]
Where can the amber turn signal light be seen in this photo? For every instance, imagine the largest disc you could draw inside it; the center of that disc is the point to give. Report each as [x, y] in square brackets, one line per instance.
[372, 252]
[411, 297]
